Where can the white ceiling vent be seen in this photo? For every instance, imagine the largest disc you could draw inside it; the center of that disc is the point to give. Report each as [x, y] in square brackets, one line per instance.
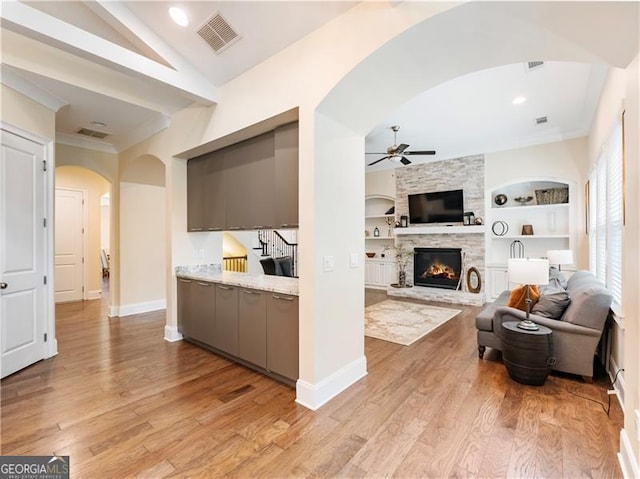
[92, 133]
[534, 64]
[218, 33]
[542, 120]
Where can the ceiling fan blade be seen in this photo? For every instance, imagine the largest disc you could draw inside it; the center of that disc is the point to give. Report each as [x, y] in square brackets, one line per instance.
[378, 161]
[420, 152]
[405, 161]
[374, 153]
[401, 148]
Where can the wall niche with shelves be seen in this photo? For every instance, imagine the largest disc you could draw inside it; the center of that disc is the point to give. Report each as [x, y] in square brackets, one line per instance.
[380, 270]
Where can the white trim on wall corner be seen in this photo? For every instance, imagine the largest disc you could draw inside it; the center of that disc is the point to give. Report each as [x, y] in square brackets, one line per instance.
[626, 458]
[619, 384]
[137, 308]
[172, 334]
[314, 396]
[95, 294]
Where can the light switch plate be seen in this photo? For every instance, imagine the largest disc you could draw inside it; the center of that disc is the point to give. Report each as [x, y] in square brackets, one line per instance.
[353, 260]
[329, 263]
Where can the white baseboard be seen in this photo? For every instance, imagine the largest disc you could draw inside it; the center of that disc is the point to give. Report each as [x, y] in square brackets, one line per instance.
[137, 308]
[96, 294]
[628, 462]
[619, 384]
[172, 334]
[313, 396]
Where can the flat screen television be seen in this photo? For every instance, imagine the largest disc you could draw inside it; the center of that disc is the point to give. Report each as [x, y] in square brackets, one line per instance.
[436, 207]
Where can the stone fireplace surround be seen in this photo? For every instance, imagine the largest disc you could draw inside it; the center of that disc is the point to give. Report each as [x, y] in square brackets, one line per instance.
[466, 173]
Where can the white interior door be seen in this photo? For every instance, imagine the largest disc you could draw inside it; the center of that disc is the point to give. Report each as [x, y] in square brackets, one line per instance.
[22, 253]
[69, 245]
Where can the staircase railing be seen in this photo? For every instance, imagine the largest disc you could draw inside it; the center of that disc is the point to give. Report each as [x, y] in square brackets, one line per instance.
[235, 263]
[273, 244]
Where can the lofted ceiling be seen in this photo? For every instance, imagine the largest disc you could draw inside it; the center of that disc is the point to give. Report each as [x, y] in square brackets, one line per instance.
[128, 68]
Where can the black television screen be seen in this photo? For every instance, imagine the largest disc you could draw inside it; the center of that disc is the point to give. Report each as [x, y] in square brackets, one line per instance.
[436, 207]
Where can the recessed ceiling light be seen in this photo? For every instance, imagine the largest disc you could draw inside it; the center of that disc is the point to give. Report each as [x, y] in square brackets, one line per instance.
[519, 100]
[179, 16]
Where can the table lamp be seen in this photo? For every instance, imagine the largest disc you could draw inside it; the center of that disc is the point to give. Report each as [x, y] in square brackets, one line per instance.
[560, 257]
[528, 271]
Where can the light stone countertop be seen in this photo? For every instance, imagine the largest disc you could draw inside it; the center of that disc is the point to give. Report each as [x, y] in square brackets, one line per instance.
[274, 284]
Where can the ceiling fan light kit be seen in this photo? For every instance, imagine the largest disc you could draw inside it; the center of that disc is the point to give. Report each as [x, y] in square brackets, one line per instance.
[396, 153]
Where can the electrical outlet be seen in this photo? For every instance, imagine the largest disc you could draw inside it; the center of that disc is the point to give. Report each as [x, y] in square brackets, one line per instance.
[329, 263]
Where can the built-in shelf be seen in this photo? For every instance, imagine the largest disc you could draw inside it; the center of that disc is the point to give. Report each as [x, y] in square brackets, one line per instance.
[437, 230]
[531, 207]
[378, 237]
[530, 236]
[380, 216]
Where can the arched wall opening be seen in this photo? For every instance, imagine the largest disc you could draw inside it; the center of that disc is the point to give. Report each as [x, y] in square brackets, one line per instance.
[468, 38]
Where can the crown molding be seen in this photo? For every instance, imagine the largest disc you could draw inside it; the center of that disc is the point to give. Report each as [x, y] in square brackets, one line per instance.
[12, 79]
[86, 143]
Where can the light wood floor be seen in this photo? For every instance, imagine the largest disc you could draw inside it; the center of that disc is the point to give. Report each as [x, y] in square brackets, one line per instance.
[123, 402]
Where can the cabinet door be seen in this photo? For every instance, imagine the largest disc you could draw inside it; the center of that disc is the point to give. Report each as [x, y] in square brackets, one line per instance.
[237, 165]
[262, 188]
[390, 274]
[286, 176]
[226, 324]
[196, 172]
[282, 335]
[203, 304]
[252, 326]
[185, 302]
[214, 193]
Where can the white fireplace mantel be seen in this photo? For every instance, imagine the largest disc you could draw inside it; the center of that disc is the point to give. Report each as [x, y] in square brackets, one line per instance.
[437, 230]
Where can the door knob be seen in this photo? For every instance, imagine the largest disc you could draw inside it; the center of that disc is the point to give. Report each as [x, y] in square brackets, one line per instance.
[3, 285]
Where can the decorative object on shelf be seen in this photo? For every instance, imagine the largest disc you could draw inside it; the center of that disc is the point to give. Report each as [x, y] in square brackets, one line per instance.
[376, 232]
[385, 248]
[500, 228]
[474, 281]
[516, 249]
[389, 221]
[560, 257]
[370, 254]
[366, 233]
[500, 199]
[523, 200]
[528, 271]
[552, 196]
[390, 211]
[527, 230]
[478, 221]
[469, 218]
[404, 221]
[397, 224]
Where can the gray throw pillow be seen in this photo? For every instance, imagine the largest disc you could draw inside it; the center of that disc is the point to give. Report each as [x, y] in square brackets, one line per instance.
[552, 302]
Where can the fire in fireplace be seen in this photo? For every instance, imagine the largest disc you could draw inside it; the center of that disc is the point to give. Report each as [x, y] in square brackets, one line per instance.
[437, 267]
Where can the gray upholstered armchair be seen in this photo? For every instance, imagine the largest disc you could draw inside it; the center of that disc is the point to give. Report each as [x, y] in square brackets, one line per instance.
[575, 334]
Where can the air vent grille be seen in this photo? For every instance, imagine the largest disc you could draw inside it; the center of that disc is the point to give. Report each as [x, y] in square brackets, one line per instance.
[92, 133]
[534, 64]
[218, 33]
[541, 120]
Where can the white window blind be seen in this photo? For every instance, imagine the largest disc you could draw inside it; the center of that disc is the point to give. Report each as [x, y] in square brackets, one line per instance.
[606, 216]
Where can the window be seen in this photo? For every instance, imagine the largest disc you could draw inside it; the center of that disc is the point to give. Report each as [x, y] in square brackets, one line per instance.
[606, 216]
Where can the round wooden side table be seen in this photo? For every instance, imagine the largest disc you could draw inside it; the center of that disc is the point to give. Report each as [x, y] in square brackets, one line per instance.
[528, 355]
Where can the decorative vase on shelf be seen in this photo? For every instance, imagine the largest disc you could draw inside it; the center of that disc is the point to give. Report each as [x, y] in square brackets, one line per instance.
[376, 232]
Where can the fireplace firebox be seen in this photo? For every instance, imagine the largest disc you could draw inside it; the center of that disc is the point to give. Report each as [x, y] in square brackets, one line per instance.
[437, 267]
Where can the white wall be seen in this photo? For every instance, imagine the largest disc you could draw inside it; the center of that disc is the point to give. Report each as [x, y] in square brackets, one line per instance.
[105, 225]
[382, 182]
[142, 248]
[20, 111]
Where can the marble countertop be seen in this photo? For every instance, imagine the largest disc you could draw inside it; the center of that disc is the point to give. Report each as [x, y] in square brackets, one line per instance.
[275, 284]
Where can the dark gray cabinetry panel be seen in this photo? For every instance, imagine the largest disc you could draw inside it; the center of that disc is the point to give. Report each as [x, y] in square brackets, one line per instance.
[282, 335]
[196, 176]
[226, 324]
[196, 310]
[286, 176]
[214, 193]
[252, 325]
[237, 167]
[261, 182]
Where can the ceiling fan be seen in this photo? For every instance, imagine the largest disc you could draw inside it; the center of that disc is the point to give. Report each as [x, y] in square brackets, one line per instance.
[396, 152]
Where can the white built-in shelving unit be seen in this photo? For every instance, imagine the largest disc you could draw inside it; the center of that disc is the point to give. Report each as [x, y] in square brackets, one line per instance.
[379, 271]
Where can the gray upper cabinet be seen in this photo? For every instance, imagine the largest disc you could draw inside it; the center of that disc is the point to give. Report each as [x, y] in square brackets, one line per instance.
[250, 185]
[286, 176]
[226, 329]
[252, 335]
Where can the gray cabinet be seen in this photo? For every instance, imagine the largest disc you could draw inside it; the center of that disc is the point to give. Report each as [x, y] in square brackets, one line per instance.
[286, 176]
[250, 185]
[226, 319]
[282, 335]
[196, 310]
[252, 325]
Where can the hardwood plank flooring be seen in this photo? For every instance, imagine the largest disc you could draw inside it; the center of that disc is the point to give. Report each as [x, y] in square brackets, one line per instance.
[122, 402]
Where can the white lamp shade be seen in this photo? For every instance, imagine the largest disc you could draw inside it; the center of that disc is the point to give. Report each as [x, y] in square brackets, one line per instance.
[560, 256]
[529, 271]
